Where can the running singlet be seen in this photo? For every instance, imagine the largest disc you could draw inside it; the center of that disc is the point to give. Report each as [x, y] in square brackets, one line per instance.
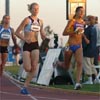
[33, 26]
[5, 33]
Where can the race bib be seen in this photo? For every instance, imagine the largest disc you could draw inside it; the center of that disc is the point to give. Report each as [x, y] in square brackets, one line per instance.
[5, 36]
[79, 28]
[35, 28]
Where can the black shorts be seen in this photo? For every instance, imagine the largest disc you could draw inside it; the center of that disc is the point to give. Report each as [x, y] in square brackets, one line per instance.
[31, 46]
[3, 49]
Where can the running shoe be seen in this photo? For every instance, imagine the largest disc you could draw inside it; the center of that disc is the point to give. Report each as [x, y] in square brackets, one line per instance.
[78, 86]
[24, 91]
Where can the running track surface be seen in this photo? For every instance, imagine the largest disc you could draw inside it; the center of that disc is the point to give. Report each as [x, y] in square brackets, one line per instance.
[10, 90]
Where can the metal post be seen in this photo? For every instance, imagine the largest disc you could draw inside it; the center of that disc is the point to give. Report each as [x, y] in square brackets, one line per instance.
[7, 7]
[67, 9]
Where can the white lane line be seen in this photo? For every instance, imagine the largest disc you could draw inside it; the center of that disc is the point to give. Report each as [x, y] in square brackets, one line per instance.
[12, 93]
[15, 94]
[33, 98]
[29, 95]
[52, 98]
[15, 84]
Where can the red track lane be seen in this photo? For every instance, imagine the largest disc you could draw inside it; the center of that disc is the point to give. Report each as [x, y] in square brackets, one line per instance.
[10, 90]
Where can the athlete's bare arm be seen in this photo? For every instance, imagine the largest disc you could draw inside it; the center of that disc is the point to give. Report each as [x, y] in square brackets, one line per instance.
[68, 29]
[20, 28]
[42, 32]
[13, 36]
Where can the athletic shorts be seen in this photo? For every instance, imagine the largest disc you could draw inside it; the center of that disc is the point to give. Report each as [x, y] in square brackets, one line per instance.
[31, 46]
[3, 49]
[73, 48]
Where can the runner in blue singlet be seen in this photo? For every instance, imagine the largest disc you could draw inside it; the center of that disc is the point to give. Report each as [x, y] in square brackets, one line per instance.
[5, 33]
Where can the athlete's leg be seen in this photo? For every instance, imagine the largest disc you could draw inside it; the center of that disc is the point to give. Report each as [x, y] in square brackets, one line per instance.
[78, 58]
[67, 59]
[34, 63]
[1, 65]
[27, 61]
[3, 59]
[17, 56]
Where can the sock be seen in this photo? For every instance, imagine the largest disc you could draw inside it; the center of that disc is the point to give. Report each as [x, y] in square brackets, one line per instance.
[77, 84]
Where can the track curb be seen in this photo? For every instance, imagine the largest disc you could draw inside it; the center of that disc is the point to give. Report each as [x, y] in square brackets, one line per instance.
[53, 88]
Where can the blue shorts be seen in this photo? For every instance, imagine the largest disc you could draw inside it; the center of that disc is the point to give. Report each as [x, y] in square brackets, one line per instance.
[73, 48]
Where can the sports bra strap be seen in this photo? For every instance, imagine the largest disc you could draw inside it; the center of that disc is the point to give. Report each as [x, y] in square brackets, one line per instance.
[33, 19]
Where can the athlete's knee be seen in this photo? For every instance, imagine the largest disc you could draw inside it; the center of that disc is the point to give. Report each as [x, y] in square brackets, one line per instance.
[79, 64]
[34, 66]
[3, 63]
[27, 68]
[67, 65]
[33, 69]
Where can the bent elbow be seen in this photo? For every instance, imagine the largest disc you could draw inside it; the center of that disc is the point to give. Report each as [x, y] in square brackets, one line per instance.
[16, 34]
[65, 33]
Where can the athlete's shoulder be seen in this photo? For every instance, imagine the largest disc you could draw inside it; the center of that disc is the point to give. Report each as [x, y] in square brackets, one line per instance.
[11, 29]
[71, 21]
[41, 20]
[30, 18]
[26, 19]
[1, 27]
